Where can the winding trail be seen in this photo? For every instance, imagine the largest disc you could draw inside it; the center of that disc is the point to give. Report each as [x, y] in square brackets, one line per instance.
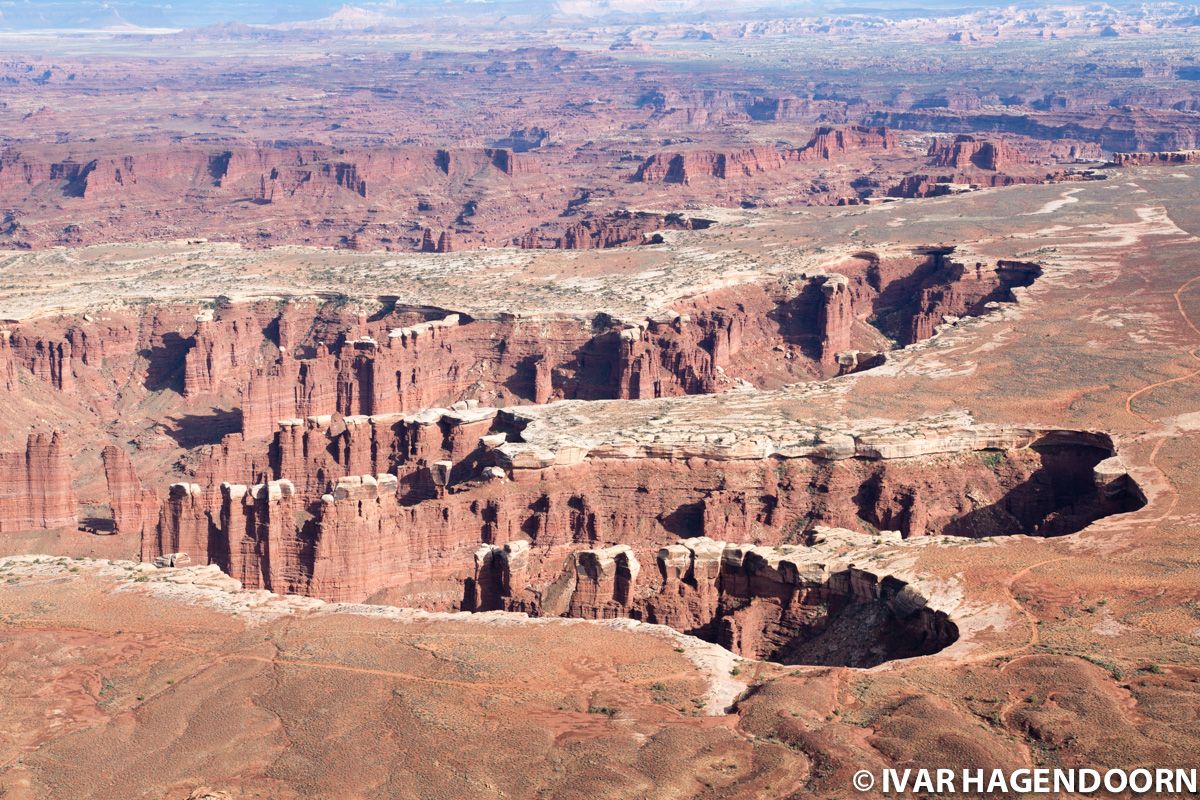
[1191, 352]
[1178, 296]
[1030, 618]
[1034, 635]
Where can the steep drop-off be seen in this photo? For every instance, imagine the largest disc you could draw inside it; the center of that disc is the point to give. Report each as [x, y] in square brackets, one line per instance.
[348, 507]
[797, 604]
[358, 452]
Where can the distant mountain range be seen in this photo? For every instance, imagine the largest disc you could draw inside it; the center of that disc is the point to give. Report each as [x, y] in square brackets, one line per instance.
[25, 15]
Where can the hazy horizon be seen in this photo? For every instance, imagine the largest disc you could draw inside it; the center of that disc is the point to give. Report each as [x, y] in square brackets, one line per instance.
[96, 14]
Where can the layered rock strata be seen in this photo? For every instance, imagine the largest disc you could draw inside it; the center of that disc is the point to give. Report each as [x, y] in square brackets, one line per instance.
[341, 364]
[612, 230]
[286, 359]
[966, 152]
[357, 506]
[969, 161]
[35, 486]
[810, 603]
[826, 144]
[134, 507]
[1164, 158]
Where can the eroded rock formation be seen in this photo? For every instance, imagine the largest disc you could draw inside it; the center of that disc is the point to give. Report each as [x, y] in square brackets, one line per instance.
[693, 165]
[798, 604]
[966, 152]
[183, 525]
[134, 508]
[372, 460]
[1171, 157]
[611, 230]
[826, 144]
[354, 369]
[768, 334]
[351, 508]
[830, 144]
[8, 366]
[35, 486]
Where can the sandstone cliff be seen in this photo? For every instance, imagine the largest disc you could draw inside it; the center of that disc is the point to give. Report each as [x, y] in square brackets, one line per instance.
[1173, 157]
[805, 603]
[134, 508]
[393, 503]
[826, 144]
[966, 152]
[836, 143]
[35, 486]
[692, 165]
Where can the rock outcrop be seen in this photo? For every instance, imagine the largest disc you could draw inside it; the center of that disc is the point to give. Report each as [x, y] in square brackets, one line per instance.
[1171, 157]
[205, 187]
[35, 486]
[768, 334]
[798, 604]
[134, 508]
[611, 230]
[444, 243]
[837, 317]
[837, 143]
[911, 308]
[218, 349]
[402, 505]
[49, 359]
[8, 365]
[183, 527]
[827, 144]
[330, 389]
[693, 165]
[966, 152]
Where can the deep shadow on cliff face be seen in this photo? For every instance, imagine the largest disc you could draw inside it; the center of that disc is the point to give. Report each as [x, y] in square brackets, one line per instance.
[795, 328]
[908, 307]
[795, 591]
[454, 524]
[372, 461]
[849, 634]
[866, 635]
[811, 603]
[280, 359]
[796, 608]
[1049, 489]
[462, 508]
[804, 594]
[1060, 497]
[396, 501]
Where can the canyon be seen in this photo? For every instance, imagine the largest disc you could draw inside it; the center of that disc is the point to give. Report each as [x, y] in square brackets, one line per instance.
[427, 149]
[382, 456]
[704, 404]
[276, 193]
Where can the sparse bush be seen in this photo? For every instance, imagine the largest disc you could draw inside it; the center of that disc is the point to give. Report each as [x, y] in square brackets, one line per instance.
[991, 459]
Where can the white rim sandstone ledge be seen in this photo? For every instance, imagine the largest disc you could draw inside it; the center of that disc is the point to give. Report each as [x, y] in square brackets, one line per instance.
[530, 282]
[562, 434]
[209, 587]
[463, 412]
